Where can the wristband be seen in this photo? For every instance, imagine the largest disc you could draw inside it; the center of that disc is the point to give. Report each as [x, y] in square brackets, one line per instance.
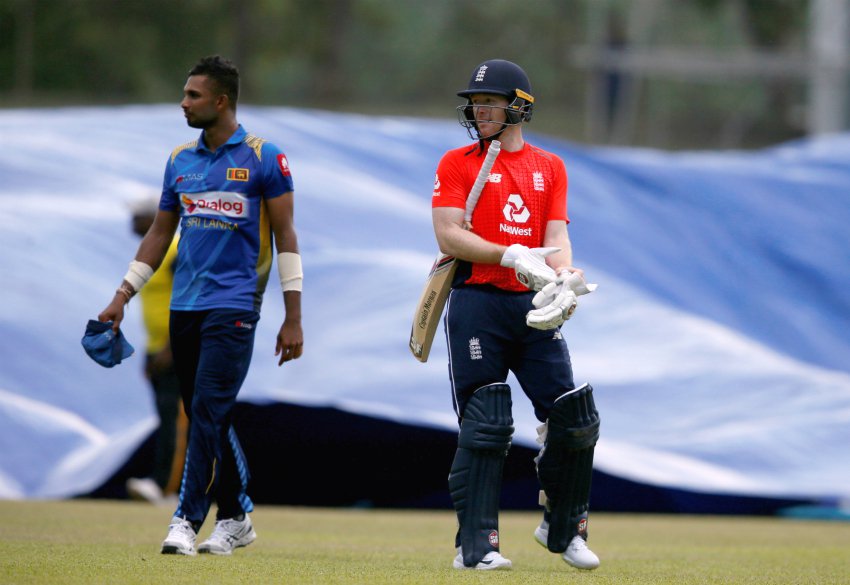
[138, 275]
[289, 269]
[128, 294]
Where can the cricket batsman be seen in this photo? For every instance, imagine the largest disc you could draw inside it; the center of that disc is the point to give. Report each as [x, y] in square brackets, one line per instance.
[514, 287]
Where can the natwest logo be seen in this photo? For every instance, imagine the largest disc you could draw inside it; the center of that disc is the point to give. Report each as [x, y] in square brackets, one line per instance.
[221, 203]
[515, 209]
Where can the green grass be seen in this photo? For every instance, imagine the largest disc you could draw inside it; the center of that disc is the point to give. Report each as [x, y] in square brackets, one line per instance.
[85, 542]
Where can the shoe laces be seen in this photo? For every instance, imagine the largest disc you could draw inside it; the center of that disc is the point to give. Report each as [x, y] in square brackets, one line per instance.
[228, 528]
[578, 544]
[182, 526]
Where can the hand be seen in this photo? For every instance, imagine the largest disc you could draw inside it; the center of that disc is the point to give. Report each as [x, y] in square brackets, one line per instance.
[530, 265]
[114, 312]
[290, 341]
[555, 303]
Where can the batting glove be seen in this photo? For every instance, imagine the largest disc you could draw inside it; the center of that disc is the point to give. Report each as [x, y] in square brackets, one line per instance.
[557, 301]
[551, 315]
[530, 265]
[571, 279]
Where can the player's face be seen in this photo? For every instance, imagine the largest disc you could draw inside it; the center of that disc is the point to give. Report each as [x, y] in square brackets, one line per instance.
[200, 102]
[489, 110]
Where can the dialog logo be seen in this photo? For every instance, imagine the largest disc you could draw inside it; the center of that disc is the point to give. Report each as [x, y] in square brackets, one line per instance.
[218, 203]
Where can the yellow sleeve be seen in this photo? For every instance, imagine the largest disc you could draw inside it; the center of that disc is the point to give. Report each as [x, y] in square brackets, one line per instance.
[156, 300]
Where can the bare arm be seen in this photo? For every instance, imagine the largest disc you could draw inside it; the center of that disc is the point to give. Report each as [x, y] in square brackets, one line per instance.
[457, 242]
[558, 236]
[290, 338]
[460, 243]
[151, 251]
[155, 244]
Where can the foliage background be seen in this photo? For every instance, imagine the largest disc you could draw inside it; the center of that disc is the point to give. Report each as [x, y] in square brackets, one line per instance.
[410, 57]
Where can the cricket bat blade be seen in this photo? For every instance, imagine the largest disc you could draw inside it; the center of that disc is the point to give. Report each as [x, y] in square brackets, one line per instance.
[430, 306]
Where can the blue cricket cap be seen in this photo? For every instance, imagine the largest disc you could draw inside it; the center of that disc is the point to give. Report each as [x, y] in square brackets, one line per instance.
[104, 346]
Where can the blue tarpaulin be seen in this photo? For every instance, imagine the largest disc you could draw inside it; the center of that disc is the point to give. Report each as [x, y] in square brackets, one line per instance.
[718, 342]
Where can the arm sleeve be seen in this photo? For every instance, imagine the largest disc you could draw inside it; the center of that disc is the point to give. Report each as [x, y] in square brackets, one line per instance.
[558, 210]
[169, 200]
[450, 184]
[277, 176]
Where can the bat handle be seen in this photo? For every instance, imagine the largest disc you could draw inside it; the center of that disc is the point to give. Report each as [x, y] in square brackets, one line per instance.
[480, 181]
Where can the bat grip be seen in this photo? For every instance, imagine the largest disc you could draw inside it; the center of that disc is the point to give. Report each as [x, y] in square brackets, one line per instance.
[480, 181]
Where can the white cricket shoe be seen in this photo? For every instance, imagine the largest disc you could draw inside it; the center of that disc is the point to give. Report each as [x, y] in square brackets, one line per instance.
[577, 554]
[144, 489]
[180, 539]
[491, 561]
[228, 535]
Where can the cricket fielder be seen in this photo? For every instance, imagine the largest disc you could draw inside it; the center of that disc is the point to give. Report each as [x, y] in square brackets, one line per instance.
[513, 289]
[232, 194]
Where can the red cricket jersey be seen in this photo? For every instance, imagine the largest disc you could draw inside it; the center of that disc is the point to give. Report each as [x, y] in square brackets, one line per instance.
[524, 191]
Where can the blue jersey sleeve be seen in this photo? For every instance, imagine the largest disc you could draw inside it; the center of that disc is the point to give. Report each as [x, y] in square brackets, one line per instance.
[277, 177]
[169, 200]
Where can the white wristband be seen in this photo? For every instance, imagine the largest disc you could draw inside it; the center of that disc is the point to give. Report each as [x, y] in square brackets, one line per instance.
[138, 274]
[289, 269]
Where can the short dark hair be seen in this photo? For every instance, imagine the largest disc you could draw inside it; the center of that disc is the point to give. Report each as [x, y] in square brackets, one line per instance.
[223, 73]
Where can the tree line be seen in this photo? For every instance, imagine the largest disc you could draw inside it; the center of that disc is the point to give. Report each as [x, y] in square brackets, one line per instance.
[389, 56]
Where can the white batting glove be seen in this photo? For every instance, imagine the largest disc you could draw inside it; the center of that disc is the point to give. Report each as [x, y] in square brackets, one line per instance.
[530, 265]
[571, 279]
[557, 301]
[562, 302]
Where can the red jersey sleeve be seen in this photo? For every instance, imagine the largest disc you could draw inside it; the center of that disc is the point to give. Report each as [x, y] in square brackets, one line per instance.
[558, 209]
[452, 182]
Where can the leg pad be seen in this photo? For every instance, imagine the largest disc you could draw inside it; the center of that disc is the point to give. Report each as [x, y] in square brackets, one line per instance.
[565, 465]
[475, 480]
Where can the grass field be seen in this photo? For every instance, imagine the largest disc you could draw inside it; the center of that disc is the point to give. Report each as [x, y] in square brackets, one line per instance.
[90, 541]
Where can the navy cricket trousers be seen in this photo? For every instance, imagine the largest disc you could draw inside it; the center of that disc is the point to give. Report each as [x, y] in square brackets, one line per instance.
[212, 351]
[487, 337]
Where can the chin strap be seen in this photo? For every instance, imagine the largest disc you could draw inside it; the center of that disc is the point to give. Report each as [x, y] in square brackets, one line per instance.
[482, 140]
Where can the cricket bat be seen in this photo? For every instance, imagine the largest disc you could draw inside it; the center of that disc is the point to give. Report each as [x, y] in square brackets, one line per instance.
[439, 282]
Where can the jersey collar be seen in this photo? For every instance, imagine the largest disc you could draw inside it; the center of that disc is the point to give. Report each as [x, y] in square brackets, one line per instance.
[237, 138]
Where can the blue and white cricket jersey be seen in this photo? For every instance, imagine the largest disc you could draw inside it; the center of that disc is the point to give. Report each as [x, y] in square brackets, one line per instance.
[225, 252]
